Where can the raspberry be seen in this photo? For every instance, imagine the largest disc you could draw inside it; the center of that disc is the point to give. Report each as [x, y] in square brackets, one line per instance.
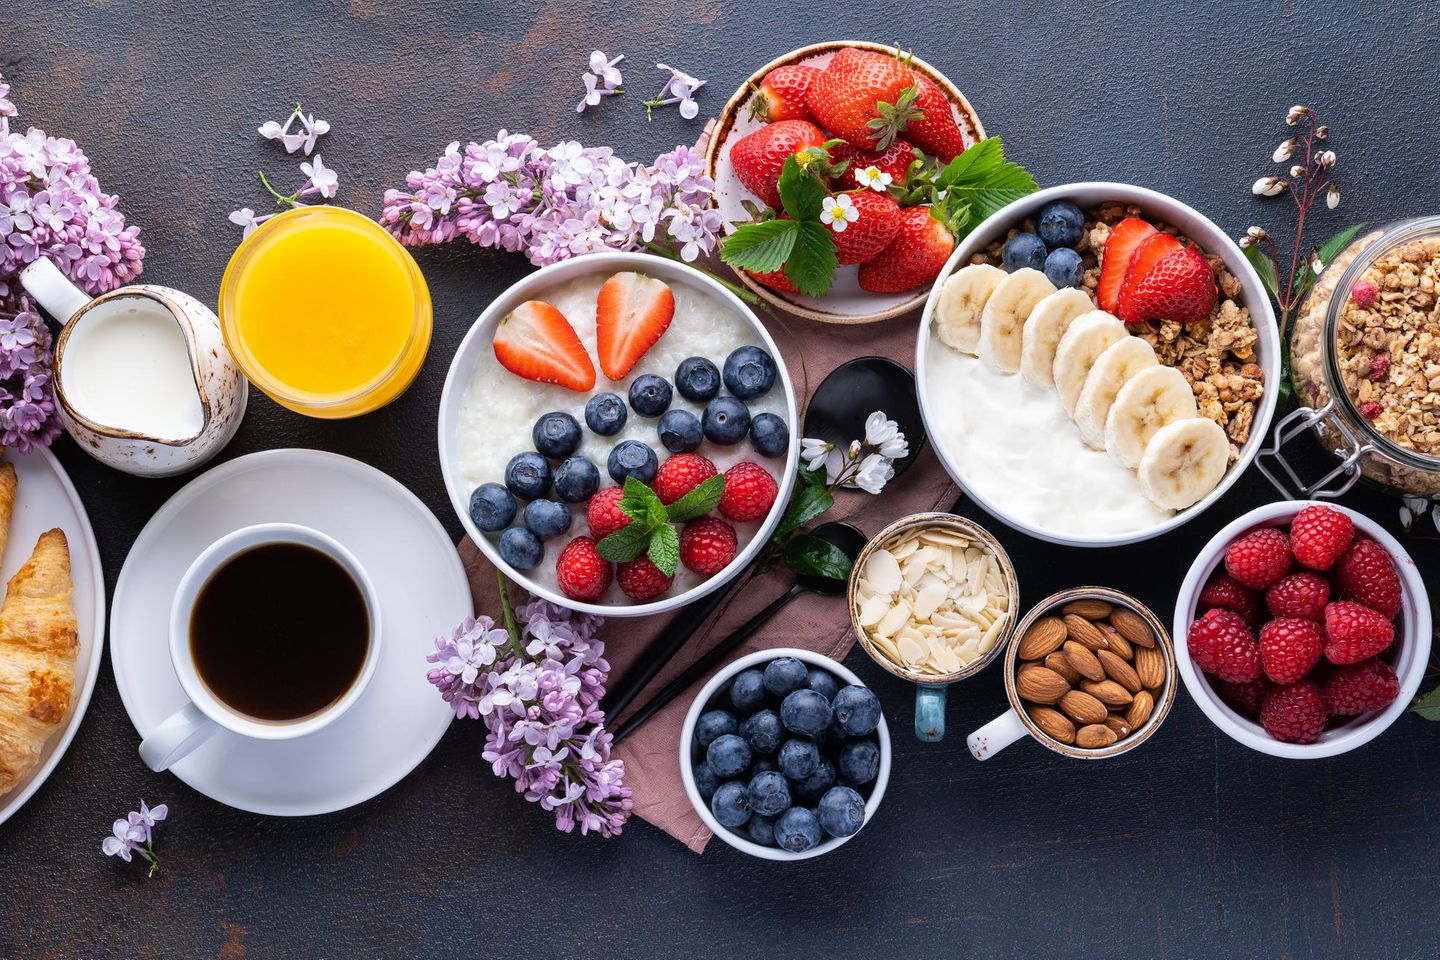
[1319, 534]
[1379, 367]
[1360, 688]
[1259, 559]
[1227, 592]
[1299, 595]
[749, 492]
[680, 474]
[604, 514]
[1290, 648]
[1366, 574]
[1355, 632]
[1294, 713]
[1244, 697]
[707, 546]
[1363, 293]
[1221, 644]
[1370, 411]
[581, 572]
[640, 579]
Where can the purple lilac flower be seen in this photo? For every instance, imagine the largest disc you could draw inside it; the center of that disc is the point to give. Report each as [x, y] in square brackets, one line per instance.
[136, 834]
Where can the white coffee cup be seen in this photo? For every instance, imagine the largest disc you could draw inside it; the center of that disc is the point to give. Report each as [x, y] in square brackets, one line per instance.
[206, 714]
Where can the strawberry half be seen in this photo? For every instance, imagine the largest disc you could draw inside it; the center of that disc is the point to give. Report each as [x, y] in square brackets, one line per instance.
[877, 225]
[1180, 288]
[1142, 263]
[934, 129]
[759, 157]
[536, 342]
[864, 98]
[1125, 236]
[631, 313]
[781, 94]
[915, 257]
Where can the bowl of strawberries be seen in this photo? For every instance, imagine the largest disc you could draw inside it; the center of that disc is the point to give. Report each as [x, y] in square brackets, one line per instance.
[859, 229]
[1303, 629]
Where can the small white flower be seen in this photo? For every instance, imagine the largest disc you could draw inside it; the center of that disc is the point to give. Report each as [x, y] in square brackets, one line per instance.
[1316, 263]
[1296, 114]
[1297, 171]
[814, 452]
[1257, 232]
[875, 471]
[1326, 158]
[1332, 196]
[1285, 151]
[1321, 132]
[874, 178]
[1247, 242]
[839, 212]
[325, 181]
[1411, 509]
[1269, 187]
[886, 436]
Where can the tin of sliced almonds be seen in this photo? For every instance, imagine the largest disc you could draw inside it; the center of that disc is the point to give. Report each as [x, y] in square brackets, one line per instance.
[932, 600]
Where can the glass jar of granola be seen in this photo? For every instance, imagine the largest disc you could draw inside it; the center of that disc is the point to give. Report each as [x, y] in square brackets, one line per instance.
[1365, 364]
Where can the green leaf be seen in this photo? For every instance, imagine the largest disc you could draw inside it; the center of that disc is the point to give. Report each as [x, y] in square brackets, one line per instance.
[806, 506]
[1331, 248]
[983, 179]
[811, 556]
[697, 502]
[1428, 706]
[811, 266]
[761, 247]
[625, 544]
[664, 549]
[638, 500]
[801, 192]
[812, 478]
[1264, 266]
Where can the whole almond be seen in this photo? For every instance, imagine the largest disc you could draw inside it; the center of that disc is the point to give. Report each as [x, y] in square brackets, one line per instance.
[1107, 692]
[1140, 709]
[1118, 723]
[1083, 661]
[1055, 724]
[1150, 667]
[1044, 637]
[1119, 671]
[1082, 708]
[1094, 736]
[1118, 644]
[1083, 631]
[1132, 627]
[1089, 609]
[1060, 663]
[1041, 685]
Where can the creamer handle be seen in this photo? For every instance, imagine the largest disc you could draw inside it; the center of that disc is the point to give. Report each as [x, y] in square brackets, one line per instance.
[60, 298]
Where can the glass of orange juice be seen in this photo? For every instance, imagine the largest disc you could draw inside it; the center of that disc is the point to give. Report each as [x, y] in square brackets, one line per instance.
[325, 312]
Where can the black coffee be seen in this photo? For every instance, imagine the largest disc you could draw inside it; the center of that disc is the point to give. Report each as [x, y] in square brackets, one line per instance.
[279, 632]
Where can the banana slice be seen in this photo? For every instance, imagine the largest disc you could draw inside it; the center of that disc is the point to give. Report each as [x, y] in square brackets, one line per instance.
[1183, 462]
[1154, 397]
[957, 315]
[1084, 339]
[1003, 320]
[1112, 369]
[1042, 334]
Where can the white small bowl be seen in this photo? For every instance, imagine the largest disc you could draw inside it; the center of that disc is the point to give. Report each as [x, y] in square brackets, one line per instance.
[1156, 206]
[1409, 654]
[687, 734]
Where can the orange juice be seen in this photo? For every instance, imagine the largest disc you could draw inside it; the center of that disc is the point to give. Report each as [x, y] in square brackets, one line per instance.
[326, 312]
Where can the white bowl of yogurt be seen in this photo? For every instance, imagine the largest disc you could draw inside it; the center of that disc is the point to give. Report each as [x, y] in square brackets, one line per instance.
[486, 412]
[1016, 452]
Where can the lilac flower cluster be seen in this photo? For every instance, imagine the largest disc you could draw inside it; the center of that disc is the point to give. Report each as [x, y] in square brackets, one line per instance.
[557, 202]
[539, 694]
[50, 206]
[136, 834]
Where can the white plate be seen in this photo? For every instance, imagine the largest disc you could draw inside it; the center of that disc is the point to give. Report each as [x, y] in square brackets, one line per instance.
[423, 593]
[47, 499]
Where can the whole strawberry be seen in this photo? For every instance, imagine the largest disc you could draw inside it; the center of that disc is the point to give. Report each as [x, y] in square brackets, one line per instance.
[934, 129]
[707, 545]
[580, 571]
[1366, 574]
[759, 157]
[864, 98]
[1354, 632]
[680, 474]
[1221, 644]
[1246, 697]
[781, 94]
[1301, 594]
[1319, 534]
[914, 258]
[604, 514]
[1227, 592]
[639, 579]
[1360, 688]
[1259, 558]
[1294, 713]
[1180, 288]
[895, 161]
[775, 280]
[1289, 648]
[872, 232]
[749, 494]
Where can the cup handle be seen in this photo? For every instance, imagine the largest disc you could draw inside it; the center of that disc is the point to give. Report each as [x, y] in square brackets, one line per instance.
[996, 735]
[930, 713]
[181, 732]
[61, 298]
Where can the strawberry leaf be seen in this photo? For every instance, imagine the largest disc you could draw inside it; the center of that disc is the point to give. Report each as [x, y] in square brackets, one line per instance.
[627, 543]
[760, 247]
[664, 549]
[801, 192]
[985, 180]
[811, 265]
[699, 501]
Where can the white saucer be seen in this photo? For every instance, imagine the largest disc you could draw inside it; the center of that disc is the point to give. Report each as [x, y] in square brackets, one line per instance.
[423, 593]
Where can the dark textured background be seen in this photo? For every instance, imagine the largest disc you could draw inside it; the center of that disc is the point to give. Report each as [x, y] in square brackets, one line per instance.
[1192, 846]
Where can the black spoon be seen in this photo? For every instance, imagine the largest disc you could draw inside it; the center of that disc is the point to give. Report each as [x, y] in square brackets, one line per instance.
[856, 389]
[846, 536]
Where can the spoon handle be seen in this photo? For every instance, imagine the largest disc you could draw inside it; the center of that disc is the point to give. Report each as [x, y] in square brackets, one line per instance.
[661, 651]
[703, 666]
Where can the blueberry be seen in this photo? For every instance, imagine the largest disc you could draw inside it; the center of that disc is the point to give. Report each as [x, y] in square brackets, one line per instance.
[1060, 224]
[822, 682]
[679, 431]
[527, 475]
[812, 787]
[859, 761]
[705, 781]
[576, 480]
[798, 758]
[797, 830]
[761, 830]
[1024, 250]
[725, 421]
[749, 372]
[556, 435]
[762, 764]
[521, 549]
[605, 414]
[728, 755]
[730, 805]
[631, 458]
[546, 518]
[697, 379]
[650, 395]
[857, 710]
[1063, 268]
[492, 507]
[805, 712]
[747, 691]
[714, 724]
[769, 435]
[842, 811]
[783, 676]
[763, 731]
[768, 793]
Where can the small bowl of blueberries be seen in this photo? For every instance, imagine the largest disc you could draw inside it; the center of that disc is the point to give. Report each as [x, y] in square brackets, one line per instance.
[785, 754]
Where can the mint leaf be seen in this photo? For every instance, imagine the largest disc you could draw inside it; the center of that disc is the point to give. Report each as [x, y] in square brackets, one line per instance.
[801, 192]
[807, 505]
[811, 266]
[760, 247]
[811, 556]
[1265, 267]
[625, 544]
[1428, 706]
[664, 549]
[982, 178]
[639, 501]
[698, 502]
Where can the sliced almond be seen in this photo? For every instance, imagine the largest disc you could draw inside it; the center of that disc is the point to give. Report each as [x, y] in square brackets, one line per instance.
[893, 620]
[1041, 685]
[873, 609]
[1119, 671]
[1055, 724]
[1094, 736]
[1043, 637]
[1089, 608]
[1083, 661]
[1083, 631]
[1060, 663]
[883, 571]
[1082, 708]
[1140, 709]
[1150, 667]
[1132, 627]
[1107, 692]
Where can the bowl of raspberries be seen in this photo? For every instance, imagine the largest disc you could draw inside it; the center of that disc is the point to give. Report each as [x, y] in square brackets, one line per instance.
[1303, 629]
